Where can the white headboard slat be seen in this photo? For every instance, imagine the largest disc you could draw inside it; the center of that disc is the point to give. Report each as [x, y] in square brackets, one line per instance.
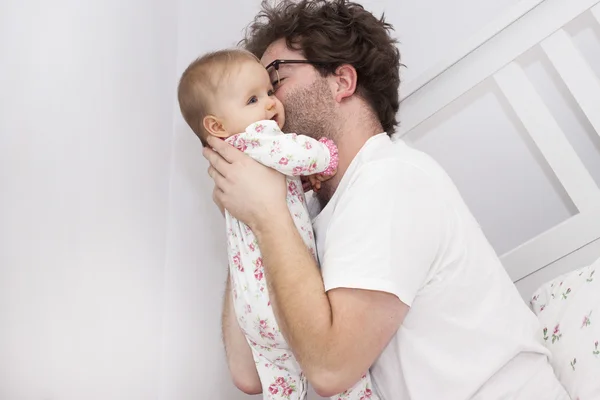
[576, 73]
[552, 245]
[548, 137]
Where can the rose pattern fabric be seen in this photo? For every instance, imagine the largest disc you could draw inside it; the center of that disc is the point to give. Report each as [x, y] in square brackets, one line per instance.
[568, 309]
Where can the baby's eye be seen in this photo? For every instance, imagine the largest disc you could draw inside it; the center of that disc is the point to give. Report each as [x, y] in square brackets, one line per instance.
[271, 93]
[252, 100]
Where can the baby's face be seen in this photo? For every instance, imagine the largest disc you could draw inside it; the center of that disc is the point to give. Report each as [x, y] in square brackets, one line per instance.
[249, 98]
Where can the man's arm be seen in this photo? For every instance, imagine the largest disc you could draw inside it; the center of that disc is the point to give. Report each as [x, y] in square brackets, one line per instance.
[336, 336]
[385, 238]
[239, 356]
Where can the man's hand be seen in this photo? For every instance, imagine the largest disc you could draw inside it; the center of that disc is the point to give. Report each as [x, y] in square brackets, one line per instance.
[250, 191]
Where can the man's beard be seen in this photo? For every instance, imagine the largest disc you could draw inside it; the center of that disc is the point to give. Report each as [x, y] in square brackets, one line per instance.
[310, 112]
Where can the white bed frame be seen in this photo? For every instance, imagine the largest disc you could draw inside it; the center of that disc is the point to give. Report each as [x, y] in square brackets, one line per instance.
[491, 55]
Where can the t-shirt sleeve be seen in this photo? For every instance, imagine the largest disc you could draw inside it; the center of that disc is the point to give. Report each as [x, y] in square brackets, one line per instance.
[386, 231]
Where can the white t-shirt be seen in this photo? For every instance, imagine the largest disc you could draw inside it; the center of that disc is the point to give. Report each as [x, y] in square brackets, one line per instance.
[397, 224]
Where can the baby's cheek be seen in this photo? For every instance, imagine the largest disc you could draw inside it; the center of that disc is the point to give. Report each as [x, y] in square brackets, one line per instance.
[281, 119]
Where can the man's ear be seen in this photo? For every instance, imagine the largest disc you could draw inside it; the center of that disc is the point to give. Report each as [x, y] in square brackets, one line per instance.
[214, 126]
[346, 79]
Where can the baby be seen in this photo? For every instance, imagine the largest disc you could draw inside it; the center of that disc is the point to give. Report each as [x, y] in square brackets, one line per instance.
[228, 94]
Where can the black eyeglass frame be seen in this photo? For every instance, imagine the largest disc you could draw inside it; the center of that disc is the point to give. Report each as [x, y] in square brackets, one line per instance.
[276, 63]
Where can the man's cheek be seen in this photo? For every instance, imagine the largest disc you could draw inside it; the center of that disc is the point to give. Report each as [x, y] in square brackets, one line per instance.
[283, 95]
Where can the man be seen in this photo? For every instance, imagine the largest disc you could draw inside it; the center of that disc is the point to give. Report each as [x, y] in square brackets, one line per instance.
[408, 285]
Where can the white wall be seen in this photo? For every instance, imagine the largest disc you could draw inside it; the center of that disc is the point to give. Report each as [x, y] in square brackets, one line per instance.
[85, 139]
[429, 29]
[112, 261]
[194, 364]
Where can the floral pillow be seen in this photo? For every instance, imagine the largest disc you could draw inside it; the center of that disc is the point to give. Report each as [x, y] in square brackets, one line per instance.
[568, 309]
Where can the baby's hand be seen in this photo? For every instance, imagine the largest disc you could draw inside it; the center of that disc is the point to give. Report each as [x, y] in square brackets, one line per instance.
[314, 181]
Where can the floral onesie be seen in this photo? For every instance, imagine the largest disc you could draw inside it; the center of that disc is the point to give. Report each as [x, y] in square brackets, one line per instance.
[293, 155]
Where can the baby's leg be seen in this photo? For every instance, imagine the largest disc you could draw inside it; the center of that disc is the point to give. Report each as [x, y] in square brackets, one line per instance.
[280, 374]
[363, 390]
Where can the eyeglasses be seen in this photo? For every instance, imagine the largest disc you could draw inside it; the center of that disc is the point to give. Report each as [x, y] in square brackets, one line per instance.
[276, 63]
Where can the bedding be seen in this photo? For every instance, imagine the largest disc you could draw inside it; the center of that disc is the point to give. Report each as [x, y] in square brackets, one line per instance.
[568, 308]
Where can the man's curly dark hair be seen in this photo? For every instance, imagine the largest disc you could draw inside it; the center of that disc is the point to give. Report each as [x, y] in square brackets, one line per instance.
[336, 32]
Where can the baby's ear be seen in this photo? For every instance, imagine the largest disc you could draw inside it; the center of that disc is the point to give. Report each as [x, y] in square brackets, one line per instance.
[214, 126]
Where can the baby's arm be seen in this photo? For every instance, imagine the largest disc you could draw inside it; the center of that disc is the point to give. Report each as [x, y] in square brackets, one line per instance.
[288, 153]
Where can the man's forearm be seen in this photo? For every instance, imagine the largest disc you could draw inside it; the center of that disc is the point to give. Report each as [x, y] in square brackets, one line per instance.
[239, 355]
[299, 299]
